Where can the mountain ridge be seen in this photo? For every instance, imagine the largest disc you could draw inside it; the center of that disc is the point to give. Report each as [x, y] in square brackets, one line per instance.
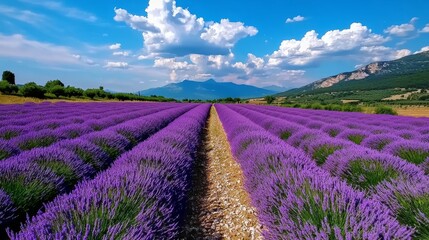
[407, 72]
[207, 90]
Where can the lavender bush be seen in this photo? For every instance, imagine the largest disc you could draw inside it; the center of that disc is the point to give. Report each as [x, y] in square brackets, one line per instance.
[409, 201]
[142, 196]
[365, 169]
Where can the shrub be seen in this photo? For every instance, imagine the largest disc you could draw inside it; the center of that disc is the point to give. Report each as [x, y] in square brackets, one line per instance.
[53, 83]
[269, 99]
[7, 88]
[31, 89]
[364, 169]
[91, 93]
[316, 106]
[385, 110]
[57, 91]
[73, 92]
[409, 202]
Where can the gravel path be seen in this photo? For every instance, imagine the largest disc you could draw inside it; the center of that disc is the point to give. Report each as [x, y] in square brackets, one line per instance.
[219, 206]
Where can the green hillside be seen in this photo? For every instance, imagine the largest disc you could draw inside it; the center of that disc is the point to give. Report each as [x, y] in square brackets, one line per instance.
[408, 72]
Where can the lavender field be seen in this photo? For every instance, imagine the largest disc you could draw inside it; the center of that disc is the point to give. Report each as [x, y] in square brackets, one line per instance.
[126, 171]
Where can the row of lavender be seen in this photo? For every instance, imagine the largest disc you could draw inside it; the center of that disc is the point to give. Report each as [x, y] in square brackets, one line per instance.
[33, 132]
[142, 196]
[395, 182]
[35, 177]
[383, 179]
[405, 143]
[21, 115]
[403, 127]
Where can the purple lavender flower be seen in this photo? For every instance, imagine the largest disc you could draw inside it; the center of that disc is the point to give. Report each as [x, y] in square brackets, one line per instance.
[28, 186]
[296, 199]
[408, 134]
[7, 149]
[379, 130]
[297, 139]
[304, 205]
[356, 136]
[7, 209]
[37, 139]
[111, 142]
[315, 124]
[423, 130]
[283, 129]
[412, 151]
[364, 169]
[47, 124]
[73, 131]
[142, 195]
[333, 130]
[243, 141]
[88, 152]
[321, 148]
[425, 138]
[425, 166]
[99, 124]
[409, 201]
[62, 162]
[379, 141]
[9, 132]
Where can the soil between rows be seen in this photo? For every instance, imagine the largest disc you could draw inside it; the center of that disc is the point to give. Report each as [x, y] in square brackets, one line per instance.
[219, 206]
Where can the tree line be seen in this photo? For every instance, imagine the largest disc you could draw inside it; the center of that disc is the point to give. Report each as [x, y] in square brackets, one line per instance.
[57, 89]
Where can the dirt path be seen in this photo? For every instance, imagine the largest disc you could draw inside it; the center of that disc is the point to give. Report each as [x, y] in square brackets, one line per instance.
[220, 207]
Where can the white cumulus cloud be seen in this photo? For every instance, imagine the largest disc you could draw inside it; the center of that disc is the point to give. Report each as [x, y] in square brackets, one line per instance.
[403, 29]
[298, 18]
[18, 46]
[423, 49]
[425, 29]
[335, 42]
[115, 46]
[120, 65]
[382, 53]
[170, 30]
[227, 33]
[121, 53]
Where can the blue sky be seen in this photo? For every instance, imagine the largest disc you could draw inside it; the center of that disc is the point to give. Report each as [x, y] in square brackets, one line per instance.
[133, 45]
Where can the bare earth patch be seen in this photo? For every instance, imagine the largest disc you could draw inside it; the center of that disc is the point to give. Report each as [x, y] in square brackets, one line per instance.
[219, 206]
[400, 96]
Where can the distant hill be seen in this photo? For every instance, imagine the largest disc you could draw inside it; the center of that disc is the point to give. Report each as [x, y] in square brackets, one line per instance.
[407, 72]
[207, 90]
[276, 89]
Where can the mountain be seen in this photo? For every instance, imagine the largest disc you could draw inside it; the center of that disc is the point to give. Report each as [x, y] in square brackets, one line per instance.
[408, 72]
[207, 90]
[276, 88]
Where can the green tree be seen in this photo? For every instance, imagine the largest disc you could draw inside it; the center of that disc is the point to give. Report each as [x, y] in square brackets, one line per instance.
[101, 93]
[31, 89]
[73, 91]
[7, 88]
[91, 93]
[53, 83]
[385, 110]
[57, 90]
[269, 99]
[9, 77]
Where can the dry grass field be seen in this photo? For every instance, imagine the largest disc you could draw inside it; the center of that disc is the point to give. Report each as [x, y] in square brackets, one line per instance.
[11, 99]
[414, 111]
